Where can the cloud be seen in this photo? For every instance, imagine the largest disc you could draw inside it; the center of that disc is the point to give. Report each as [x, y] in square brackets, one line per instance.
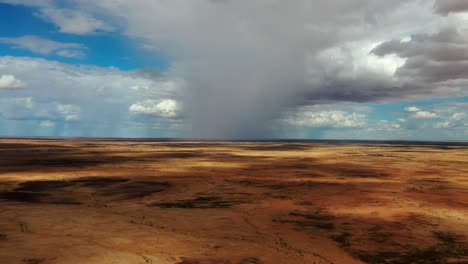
[8, 81]
[74, 21]
[412, 109]
[456, 120]
[87, 100]
[165, 108]
[453, 116]
[424, 115]
[47, 124]
[261, 58]
[388, 126]
[68, 20]
[434, 60]
[53, 81]
[330, 116]
[47, 47]
[24, 108]
[69, 112]
[449, 6]
[27, 108]
[29, 2]
[417, 113]
[243, 64]
[331, 119]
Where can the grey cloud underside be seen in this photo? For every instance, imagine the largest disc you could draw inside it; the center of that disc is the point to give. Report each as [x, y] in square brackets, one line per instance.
[437, 62]
[448, 6]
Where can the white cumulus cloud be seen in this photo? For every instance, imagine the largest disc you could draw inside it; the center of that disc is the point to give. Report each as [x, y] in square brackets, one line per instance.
[424, 115]
[412, 109]
[166, 108]
[9, 81]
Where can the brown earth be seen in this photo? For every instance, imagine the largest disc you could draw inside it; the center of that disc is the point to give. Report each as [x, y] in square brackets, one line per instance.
[77, 201]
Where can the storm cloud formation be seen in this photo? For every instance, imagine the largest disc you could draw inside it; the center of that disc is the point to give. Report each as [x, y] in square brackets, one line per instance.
[246, 63]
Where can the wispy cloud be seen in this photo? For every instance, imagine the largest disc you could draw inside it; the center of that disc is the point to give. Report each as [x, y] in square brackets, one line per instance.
[74, 21]
[47, 47]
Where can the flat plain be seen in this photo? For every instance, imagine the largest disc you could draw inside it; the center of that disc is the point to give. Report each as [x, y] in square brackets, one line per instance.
[182, 202]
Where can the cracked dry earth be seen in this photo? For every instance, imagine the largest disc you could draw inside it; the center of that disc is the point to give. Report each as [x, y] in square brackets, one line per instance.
[77, 201]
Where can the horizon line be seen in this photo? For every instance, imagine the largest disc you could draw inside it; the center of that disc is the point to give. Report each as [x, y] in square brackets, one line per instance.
[266, 140]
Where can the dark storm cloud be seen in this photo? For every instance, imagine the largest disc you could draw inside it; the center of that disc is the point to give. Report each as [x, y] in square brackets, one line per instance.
[448, 6]
[446, 45]
[430, 58]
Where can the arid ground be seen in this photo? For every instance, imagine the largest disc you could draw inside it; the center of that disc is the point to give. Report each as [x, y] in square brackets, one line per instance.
[91, 201]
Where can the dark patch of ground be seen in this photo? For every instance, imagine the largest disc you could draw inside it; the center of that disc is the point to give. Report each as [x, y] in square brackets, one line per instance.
[450, 249]
[68, 192]
[304, 220]
[98, 182]
[277, 185]
[18, 196]
[205, 261]
[202, 202]
[136, 189]
[251, 260]
[42, 186]
[342, 239]
[248, 260]
[34, 261]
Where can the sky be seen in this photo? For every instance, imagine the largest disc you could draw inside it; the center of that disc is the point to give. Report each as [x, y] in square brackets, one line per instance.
[235, 69]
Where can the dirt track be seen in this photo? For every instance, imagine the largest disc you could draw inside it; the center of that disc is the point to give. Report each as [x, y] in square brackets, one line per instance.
[239, 203]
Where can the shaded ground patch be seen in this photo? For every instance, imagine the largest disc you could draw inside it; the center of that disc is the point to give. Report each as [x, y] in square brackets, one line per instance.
[23, 157]
[26, 197]
[277, 185]
[205, 261]
[136, 189]
[251, 260]
[247, 260]
[68, 192]
[34, 260]
[202, 202]
[388, 249]
[42, 186]
[97, 182]
[304, 220]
